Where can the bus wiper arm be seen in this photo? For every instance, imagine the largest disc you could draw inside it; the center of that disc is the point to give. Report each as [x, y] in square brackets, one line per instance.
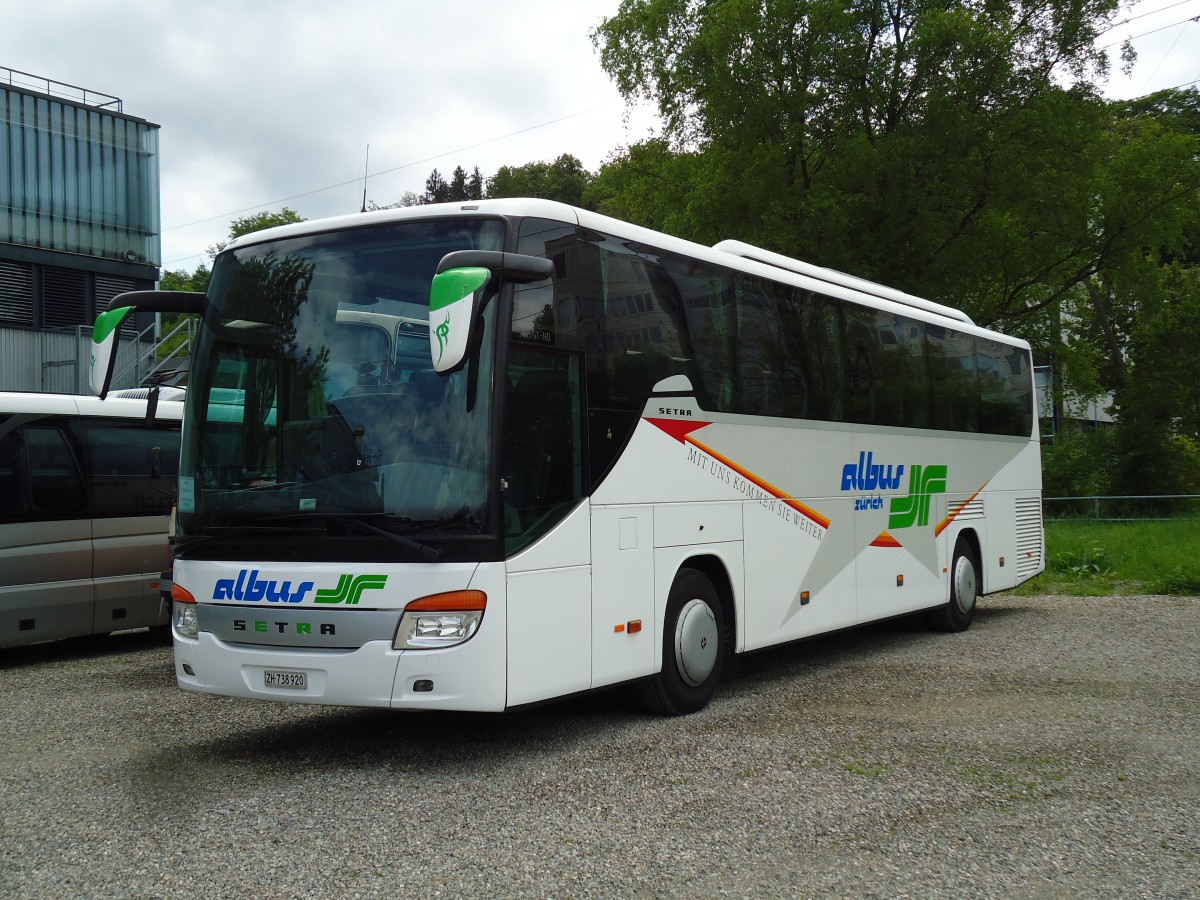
[184, 543]
[361, 520]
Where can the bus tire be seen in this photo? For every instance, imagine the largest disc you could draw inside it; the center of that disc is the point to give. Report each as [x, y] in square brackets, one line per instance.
[693, 650]
[958, 614]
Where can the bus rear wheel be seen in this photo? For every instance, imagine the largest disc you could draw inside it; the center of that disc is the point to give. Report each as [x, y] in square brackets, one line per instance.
[693, 652]
[958, 614]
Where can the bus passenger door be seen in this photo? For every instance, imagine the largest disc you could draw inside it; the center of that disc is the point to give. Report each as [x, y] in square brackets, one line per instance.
[622, 593]
[546, 527]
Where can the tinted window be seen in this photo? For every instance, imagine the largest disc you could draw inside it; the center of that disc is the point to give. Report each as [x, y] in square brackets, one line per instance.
[132, 468]
[542, 458]
[14, 476]
[55, 483]
[754, 346]
[954, 382]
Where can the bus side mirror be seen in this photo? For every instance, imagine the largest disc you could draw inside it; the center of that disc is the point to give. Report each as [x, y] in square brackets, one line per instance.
[104, 348]
[456, 296]
[108, 327]
[454, 302]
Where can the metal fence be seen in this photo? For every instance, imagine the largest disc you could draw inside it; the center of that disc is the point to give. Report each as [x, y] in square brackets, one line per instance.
[1112, 508]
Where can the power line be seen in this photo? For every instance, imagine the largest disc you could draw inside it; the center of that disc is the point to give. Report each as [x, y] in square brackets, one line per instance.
[1153, 12]
[1152, 31]
[1170, 50]
[407, 165]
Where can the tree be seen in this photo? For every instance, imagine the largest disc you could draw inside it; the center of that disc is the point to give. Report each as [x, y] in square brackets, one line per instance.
[565, 180]
[408, 198]
[183, 280]
[904, 142]
[257, 222]
[957, 151]
[437, 189]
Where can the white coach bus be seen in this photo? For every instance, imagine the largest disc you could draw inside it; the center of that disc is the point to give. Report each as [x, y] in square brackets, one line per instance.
[625, 458]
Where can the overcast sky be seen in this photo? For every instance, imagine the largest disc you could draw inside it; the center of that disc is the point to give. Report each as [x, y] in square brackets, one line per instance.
[272, 103]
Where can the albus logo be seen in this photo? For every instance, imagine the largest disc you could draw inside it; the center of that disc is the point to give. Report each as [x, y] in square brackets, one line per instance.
[869, 475]
[249, 589]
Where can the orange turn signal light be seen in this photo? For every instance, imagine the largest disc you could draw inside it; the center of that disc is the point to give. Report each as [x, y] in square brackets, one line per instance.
[450, 601]
[181, 594]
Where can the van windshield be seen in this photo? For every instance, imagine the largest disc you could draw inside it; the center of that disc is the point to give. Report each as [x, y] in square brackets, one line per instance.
[313, 397]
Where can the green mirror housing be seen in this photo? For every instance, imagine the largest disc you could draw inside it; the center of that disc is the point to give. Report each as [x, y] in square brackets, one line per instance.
[108, 327]
[454, 299]
[457, 292]
[104, 348]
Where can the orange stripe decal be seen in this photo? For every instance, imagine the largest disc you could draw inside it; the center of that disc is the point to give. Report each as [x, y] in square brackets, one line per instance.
[885, 540]
[945, 523]
[782, 497]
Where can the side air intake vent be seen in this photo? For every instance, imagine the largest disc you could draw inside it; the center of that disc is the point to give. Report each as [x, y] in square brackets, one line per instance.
[1030, 542]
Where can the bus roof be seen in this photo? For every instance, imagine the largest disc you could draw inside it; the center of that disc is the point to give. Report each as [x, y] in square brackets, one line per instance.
[730, 253]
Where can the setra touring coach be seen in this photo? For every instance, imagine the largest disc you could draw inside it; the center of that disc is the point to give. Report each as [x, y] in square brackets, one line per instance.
[617, 458]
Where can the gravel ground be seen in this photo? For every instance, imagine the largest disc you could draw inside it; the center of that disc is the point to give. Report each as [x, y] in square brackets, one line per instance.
[1049, 751]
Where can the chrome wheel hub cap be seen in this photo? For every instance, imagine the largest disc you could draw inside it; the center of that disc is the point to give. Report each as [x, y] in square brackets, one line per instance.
[696, 642]
[965, 585]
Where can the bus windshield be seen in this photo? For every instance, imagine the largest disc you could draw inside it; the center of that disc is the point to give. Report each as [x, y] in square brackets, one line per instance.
[313, 398]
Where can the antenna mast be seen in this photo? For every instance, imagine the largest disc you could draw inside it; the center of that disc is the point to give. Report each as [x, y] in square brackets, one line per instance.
[366, 166]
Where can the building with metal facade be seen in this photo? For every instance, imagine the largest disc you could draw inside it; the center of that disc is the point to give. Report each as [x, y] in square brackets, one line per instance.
[79, 224]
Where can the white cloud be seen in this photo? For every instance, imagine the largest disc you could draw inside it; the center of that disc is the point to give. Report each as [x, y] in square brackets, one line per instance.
[259, 102]
[264, 101]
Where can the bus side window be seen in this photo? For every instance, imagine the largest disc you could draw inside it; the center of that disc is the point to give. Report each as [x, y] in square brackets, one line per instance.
[55, 482]
[543, 452]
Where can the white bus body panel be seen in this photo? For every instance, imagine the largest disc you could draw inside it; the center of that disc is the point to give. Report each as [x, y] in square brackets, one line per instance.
[549, 603]
[622, 626]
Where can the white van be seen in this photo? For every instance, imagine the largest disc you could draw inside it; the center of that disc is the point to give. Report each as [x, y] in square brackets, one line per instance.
[86, 487]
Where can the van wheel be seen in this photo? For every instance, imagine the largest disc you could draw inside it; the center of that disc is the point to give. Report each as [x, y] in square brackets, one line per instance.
[958, 614]
[693, 649]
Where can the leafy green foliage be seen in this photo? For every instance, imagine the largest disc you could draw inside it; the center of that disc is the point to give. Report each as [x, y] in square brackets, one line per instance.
[955, 151]
[258, 222]
[1096, 558]
[1077, 463]
[563, 180]
[929, 147]
[183, 280]
[459, 189]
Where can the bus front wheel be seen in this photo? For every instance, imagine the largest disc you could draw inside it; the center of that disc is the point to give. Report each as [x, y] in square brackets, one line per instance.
[964, 592]
[693, 650]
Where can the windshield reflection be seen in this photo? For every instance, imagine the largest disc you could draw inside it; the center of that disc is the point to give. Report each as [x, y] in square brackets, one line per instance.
[313, 397]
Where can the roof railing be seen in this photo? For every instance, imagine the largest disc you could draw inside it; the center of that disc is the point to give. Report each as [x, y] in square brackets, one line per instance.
[61, 89]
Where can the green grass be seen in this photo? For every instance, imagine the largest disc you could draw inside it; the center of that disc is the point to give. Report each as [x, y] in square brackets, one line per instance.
[1134, 557]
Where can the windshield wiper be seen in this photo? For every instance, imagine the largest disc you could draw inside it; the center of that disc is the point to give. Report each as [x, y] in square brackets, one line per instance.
[184, 543]
[362, 521]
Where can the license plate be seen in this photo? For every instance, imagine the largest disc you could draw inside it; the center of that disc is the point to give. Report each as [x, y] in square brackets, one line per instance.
[295, 680]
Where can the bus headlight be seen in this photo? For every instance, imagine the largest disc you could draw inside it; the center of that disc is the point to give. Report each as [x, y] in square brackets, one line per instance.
[440, 620]
[183, 612]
